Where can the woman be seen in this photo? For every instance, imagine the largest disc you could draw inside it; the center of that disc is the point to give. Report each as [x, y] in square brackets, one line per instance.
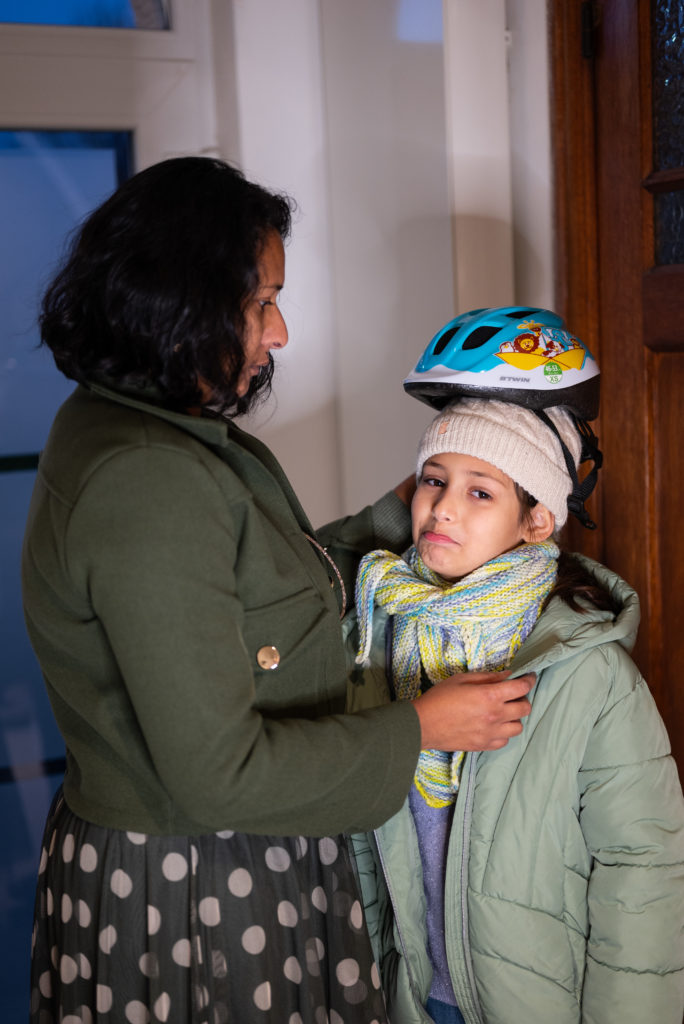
[182, 612]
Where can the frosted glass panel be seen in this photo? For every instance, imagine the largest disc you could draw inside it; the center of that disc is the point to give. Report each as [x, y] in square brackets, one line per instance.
[50, 181]
[149, 14]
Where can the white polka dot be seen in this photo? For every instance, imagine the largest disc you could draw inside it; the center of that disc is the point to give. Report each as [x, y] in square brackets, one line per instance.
[227, 833]
[210, 911]
[83, 914]
[138, 838]
[240, 882]
[277, 858]
[194, 859]
[136, 1012]
[292, 969]
[254, 939]
[88, 858]
[45, 984]
[103, 998]
[321, 1015]
[301, 846]
[202, 996]
[54, 956]
[327, 850]
[315, 950]
[174, 867]
[149, 965]
[153, 920]
[356, 915]
[68, 970]
[108, 938]
[219, 965]
[347, 972]
[86, 1015]
[295, 1018]
[336, 1019]
[71, 1018]
[50, 903]
[262, 996]
[43, 861]
[162, 1007]
[319, 899]
[121, 884]
[375, 976]
[84, 968]
[53, 840]
[181, 952]
[67, 908]
[68, 848]
[287, 914]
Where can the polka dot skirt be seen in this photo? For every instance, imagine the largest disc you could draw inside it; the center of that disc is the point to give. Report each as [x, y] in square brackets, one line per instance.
[211, 929]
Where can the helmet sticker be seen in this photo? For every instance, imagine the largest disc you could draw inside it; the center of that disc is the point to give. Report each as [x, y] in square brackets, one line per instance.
[538, 345]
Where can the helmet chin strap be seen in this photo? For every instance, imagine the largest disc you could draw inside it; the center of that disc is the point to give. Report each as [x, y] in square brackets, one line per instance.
[590, 451]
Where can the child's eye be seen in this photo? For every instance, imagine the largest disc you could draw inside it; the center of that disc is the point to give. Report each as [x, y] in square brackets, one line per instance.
[481, 495]
[432, 481]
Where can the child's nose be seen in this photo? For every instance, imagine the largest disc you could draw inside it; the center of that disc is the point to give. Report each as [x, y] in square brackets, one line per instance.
[446, 508]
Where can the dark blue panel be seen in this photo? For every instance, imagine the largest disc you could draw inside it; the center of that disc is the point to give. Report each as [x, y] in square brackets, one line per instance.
[23, 810]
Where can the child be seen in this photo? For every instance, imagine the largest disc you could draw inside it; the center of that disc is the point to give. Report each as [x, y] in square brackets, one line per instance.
[543, 881]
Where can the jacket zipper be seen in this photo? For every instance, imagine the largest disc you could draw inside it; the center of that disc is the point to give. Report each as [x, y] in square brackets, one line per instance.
[404, 950]
[469, 1006]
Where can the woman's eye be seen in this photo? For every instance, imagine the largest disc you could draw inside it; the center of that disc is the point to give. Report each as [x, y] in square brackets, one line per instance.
[265, 302]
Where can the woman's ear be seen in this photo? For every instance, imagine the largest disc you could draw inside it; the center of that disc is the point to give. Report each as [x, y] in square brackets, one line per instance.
[539, 524]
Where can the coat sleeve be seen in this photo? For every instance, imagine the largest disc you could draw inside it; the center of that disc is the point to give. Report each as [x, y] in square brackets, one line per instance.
[158, 564]
[632, 816]
[385, 524]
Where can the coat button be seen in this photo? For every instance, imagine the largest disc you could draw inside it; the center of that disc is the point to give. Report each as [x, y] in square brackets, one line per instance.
[268, 657]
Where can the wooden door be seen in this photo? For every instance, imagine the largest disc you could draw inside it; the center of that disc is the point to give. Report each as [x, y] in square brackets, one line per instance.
[618, 139]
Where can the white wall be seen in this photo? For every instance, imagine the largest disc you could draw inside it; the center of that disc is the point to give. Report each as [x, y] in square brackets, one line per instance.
[423, 177]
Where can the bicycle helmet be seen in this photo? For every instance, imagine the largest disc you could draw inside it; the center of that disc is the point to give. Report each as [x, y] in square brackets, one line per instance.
[523, 355]
[516, 354]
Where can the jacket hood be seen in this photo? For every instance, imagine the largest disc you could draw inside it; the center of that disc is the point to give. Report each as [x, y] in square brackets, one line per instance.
[561, 632]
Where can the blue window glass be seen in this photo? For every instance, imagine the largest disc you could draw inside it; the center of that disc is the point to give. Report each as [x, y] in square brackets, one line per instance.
[149, 14]
[50, 181]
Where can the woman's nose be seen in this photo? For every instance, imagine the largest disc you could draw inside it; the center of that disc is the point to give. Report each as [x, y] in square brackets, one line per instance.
[276, 335]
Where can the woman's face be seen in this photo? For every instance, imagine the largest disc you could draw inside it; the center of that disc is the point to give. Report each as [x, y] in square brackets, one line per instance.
[264, 324]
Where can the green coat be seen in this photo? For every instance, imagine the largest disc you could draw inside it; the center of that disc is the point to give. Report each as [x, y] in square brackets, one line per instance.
[565, 872]
[162, 553]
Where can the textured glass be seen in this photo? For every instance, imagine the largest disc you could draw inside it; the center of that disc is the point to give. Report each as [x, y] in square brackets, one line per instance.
[668, 125]
[149, 14]
[668, 84]
[50, 181]
[669, 228]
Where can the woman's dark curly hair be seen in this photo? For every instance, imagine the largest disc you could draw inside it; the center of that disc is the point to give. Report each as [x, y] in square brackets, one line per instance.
[154, 286]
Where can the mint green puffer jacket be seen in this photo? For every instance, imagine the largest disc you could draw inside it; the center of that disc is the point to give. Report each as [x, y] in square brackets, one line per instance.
[565, 871]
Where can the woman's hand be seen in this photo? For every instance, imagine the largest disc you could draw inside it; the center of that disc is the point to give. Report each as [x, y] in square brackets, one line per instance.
[406, 489]
[473, 711]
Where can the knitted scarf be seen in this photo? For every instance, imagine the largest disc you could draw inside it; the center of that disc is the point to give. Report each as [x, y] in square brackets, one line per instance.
[476, 623]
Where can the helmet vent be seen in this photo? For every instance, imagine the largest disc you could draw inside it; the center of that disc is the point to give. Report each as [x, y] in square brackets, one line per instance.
[444, 341]
[518, 314]
[480, 336]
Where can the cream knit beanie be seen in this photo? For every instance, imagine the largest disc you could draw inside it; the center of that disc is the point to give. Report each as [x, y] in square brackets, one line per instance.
[514, 440]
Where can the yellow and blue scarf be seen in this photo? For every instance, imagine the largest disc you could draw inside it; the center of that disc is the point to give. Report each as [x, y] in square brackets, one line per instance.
[474, 624]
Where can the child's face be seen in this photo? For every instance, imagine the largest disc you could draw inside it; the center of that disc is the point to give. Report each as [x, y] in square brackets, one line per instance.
[465, 512]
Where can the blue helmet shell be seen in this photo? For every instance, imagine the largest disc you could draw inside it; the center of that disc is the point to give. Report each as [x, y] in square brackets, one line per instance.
[517, 354]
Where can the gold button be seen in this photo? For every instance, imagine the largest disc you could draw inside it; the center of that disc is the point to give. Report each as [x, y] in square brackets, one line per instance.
[268, 657]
